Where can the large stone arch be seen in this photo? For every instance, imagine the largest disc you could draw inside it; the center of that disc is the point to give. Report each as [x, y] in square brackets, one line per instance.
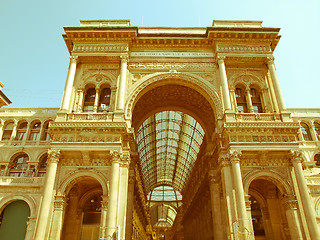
[271, 176]
[188, 82]
[11, 198]
[185, 79]
[65, 186]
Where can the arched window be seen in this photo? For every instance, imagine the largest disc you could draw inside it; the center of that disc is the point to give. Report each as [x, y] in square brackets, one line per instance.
[317, 129]
[104, 101]
[241, 100]
[35, 131]
[305, 132]
[45, 135]
[21, 131]
[19, 165]
[317, 159]
[89, 100]
[7, 132]
[256, 100]
[42, 167]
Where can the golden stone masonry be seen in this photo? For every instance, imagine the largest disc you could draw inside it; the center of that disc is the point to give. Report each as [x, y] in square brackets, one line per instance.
[163, 134]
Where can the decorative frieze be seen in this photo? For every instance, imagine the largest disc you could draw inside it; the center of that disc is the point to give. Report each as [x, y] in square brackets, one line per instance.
[100, 48]
[208, 67]
[248, 117]
[88, 117]
[267, 162]
[21, 181]
[86, 139]
[172, 54]
[243, 48]
[262, 138]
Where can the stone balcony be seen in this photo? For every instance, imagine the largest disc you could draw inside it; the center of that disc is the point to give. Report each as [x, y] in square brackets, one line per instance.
[21, 181]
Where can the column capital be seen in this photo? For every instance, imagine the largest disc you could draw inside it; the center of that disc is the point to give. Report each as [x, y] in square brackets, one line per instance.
[104, 205]
[124, 58]
[290, 202]
[73, 59]
[224, 161]
[81, 89]
[60, 203]
[234, 156]
[270, 60]
[296, 156]
[115, 156]
[221, 59]
[53, 155]
[125, 160]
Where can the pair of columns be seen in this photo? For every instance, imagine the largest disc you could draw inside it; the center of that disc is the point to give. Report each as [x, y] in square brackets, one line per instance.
[66, 99]
[225, 88]
[239, 223]
[114, 208]
[118, 191]
[309, 212]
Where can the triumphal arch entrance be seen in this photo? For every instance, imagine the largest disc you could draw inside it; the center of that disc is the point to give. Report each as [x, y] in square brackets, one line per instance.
[174, 133]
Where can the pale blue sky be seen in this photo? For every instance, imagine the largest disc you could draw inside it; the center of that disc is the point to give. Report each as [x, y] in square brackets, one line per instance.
[34, 59]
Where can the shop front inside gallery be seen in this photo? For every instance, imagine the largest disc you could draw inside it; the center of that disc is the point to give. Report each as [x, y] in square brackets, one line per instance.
[163, 134]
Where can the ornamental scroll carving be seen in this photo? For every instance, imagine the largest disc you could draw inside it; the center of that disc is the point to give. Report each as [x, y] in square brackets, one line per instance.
[60, 202]
[290, 202]
[234, 155]
[296, 156]
[53, 155]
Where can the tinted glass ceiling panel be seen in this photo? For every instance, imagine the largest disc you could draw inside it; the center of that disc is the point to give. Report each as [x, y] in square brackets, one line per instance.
[168, 144]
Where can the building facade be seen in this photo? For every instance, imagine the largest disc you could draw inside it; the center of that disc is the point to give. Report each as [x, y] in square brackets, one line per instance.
[163, 133]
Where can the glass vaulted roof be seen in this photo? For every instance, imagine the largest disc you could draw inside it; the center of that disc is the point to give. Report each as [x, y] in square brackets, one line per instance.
[168, 145]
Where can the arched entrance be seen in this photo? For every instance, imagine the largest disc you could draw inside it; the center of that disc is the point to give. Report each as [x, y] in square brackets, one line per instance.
[274, 213]
[13, 220]
[83, 212]
[173, 119]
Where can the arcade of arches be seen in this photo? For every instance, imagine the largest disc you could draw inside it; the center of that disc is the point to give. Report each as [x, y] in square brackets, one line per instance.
[163, 134]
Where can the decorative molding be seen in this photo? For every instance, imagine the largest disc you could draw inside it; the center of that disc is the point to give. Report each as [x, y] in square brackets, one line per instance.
[172, 66]
[290, 202]
[183, 78]
[243, 48]
[262, 138]
[100, 47]
[53, 155]
[172, 54]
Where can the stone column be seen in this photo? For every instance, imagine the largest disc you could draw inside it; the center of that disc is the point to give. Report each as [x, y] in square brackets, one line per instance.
[263, 98]
[42, 225]
[122, 83]
[276, 84]
[233, 99]
[1, 130]
[224, 83]
[291, 208]
[14, 131]
[30, 228]
[104, 214]
[249, 101]
[60, 203]
[215, 206]
[69, 83]
[113, 194]
[313, 133]
[28, 131]
[80, 100]
[243, 219]
[123, 193]
[307, 205]
[230, 211]
[130, 204]
[96, 100]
